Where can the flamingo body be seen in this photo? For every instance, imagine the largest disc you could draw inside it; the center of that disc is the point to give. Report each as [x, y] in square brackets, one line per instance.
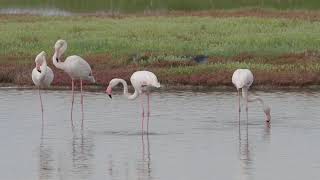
[42, 76]
[141, 80]
[46, 81]
[243, 79]
[78, 68]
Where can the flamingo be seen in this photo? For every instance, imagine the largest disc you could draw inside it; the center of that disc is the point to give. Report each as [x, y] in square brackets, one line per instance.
[75, 67]
[141, 82]
[242, 79]
[42, 74]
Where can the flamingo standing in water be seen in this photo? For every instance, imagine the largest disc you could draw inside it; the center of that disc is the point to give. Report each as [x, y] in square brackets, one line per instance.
[242, 79]
[42, 74]
[141, 82]
[75, 67]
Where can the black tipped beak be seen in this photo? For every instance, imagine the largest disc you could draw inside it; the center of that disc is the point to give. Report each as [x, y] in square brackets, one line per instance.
[39, 71]
[57, 59]
[110, 96]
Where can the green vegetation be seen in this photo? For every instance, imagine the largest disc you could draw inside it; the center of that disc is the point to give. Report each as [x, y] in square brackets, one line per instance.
[161, 35]
[277, 48]
[125, 6]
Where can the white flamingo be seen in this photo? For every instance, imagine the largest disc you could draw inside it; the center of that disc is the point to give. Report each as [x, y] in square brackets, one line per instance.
[141, 82]
[42, 74]
[242, 79]
[75, 67]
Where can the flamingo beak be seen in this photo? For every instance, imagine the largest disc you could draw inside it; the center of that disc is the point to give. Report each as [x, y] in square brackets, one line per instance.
[109, 92]
[38, 68]
[57, 52]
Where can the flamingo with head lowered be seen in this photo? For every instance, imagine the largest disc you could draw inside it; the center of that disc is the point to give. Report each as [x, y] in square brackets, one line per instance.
[242, 79]
[75, 67]
[141, 82]
[42, 74]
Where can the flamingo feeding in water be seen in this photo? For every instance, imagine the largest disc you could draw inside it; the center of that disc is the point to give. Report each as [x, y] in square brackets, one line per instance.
[42, 74]
[75, 67]
[141, 82]
[242, 79]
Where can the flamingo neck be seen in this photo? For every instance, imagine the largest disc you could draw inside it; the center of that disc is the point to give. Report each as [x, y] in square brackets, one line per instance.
[265, 107]
[43, 69]
[125, 90]
[256, 98]
[58, 64]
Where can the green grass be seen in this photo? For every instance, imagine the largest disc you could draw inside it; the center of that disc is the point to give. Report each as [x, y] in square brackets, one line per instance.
[26, 36]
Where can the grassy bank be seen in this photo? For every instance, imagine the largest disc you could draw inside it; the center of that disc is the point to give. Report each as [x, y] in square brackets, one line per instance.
[280, 51]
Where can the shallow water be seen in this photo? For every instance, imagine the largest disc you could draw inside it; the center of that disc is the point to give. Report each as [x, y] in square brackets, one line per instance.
[193, 135]
[62, 7]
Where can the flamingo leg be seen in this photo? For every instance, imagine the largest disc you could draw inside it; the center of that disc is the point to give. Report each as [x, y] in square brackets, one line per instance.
[41, 104]
[239, 107]
[148, 97]
[247, 103]
[142, 113]
[81, 103]
[72, 101]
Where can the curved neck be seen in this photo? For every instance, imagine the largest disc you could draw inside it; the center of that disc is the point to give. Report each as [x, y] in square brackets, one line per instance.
[256, 98]
[58, 64]
[43, 69]
[252, 99]
[125, 89]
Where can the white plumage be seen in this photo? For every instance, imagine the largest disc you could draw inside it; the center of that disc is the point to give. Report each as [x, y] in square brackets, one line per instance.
[75, 67]
[42, 75]
[141, 82]
[243, 79]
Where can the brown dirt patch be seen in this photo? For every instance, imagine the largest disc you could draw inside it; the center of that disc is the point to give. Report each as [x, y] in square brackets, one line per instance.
[105, 68]
[263, 13]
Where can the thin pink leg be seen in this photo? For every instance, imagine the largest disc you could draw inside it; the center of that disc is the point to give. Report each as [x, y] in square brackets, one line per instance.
[148, 96]
[142, 113]
[41, 104]
[239, 107]
[72, 101]
[81, 103]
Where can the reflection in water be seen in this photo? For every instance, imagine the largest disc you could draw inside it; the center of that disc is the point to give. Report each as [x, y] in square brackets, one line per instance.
[46, 167]
[245, 152]
[246, 162]
[144, 166]
[82, 153]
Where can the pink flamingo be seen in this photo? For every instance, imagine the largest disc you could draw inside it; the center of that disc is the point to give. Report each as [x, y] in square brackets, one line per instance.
[42, 74]
[141, 82]
[75, 67]
[242, 79]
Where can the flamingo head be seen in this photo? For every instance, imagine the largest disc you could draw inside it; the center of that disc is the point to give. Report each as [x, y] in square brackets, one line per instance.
[112, 84]
[267, 112]
[60, 47]
[39, 60]
[109, 91]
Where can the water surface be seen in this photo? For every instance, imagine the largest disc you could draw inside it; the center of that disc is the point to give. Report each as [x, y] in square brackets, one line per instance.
[193, 135]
